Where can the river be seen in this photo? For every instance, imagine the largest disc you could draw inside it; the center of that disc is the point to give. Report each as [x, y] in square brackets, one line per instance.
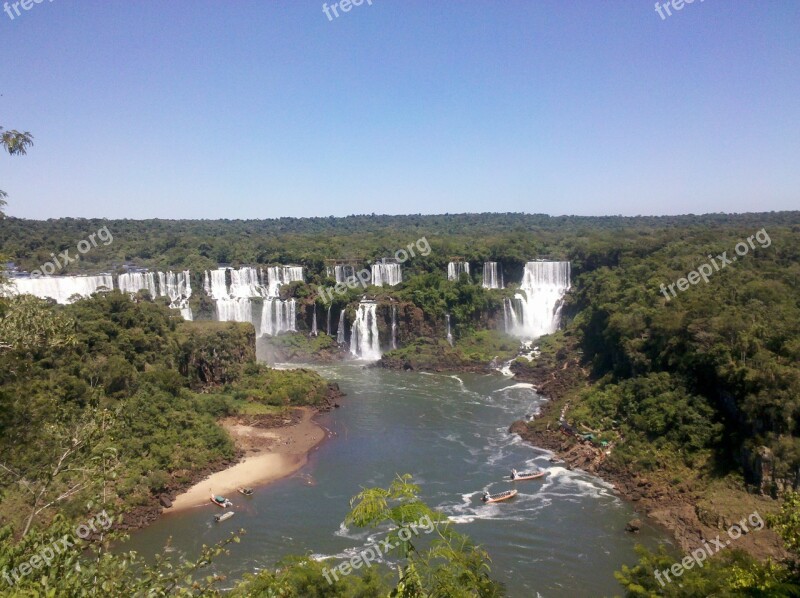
[560, 536]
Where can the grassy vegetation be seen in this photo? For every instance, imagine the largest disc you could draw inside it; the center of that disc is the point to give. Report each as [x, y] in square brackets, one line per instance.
[120, 399]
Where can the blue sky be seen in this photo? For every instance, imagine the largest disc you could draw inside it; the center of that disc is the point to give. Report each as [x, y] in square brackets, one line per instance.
[265, 109]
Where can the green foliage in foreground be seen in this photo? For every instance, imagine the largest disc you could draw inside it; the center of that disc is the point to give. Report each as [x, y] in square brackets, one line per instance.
[449, 567]
[33, 567]
[729, 573]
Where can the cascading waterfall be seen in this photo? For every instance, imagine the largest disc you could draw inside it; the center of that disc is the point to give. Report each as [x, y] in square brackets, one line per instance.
[386, 275]
[280, 275]
[234, 301]
[536, 309]
[364, 342]
[215, 284]
[456, 269]
[133, 282]
[328, 328]
[490, 278]
[340, 331]
[245, 284]
[277, 317]
[235, 310]
[509, 315]
[314, 323]
[449, 334]
[175, 285]
[394, 326]
[178, 287]
[63, 289]
[343, 273]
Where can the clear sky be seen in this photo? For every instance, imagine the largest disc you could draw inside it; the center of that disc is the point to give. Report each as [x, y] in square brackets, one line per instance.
[260, 109]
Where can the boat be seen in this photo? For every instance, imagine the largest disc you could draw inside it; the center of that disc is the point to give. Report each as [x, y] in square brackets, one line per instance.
[247, 491]
[526, 475]
[221, 501]
[487, 498]
[223, 517]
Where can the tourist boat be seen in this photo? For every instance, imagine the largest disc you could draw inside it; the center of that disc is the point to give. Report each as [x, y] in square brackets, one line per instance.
[247, 491]
[223, 517]
[221, 501]
[526, 475]
[487, 498]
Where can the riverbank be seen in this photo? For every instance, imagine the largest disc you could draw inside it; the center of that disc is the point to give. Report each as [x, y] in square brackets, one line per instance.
[692, 509]
[273, 448]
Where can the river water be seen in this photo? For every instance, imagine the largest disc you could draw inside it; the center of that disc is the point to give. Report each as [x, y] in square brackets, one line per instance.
[560, 536]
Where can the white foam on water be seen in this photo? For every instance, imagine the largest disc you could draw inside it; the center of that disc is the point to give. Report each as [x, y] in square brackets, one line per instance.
[346, 532]
[460, 381]
[527, 503]
[517, 385]
[566, 483]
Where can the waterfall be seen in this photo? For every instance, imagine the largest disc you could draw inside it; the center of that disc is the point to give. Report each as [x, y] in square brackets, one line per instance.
[63, 289]
[277, 317]
[340, 331]
[280, 275]
[328, 328]
[234, 301]
[245, 283]
[456, 269]
[175, 285]
[536, 309]
[235, 310]
[394, 326]
[386, 275]
[343, 273]
[509, 316]
[314, 323]
[133, 282]
[490, 278]
[215, 284]
[364, 342]
[449, 335]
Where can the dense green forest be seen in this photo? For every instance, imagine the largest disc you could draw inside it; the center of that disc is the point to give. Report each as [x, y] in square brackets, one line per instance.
[703, 383]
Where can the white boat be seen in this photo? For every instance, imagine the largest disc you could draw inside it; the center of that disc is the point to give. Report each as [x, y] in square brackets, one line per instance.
[223, 517]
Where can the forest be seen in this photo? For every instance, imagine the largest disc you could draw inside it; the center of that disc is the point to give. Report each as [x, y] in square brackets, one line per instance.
[704, 382]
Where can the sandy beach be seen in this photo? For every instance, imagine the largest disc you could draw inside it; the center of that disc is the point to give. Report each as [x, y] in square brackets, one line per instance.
[270, 454]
